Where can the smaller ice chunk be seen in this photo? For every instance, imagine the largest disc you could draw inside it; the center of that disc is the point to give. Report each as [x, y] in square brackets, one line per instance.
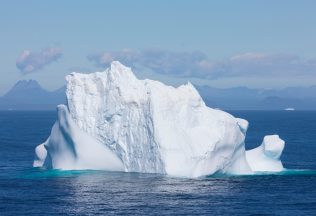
[40, 155]
[266, 157]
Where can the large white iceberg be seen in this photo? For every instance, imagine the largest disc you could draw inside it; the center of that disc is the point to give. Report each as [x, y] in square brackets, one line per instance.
[114, 121]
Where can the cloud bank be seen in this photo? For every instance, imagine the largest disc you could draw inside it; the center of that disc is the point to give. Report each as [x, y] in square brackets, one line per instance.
[30, 61]
[160, 61]
[265, 65]
[197, 64]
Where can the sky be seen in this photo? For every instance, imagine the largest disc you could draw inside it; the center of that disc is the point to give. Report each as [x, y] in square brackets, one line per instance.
[253, 43]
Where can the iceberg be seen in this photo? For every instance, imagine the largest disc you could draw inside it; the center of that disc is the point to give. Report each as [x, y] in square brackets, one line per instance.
[116, 122]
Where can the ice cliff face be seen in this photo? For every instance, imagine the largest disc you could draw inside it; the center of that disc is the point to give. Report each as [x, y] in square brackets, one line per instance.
[114, 121]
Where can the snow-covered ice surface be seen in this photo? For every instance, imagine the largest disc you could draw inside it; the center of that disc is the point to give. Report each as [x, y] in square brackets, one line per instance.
[113, 121]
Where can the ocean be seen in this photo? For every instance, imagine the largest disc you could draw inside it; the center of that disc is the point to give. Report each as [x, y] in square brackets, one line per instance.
[28, 191]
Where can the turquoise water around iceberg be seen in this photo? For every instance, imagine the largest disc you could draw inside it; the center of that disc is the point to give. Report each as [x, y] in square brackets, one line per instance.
[28, 191]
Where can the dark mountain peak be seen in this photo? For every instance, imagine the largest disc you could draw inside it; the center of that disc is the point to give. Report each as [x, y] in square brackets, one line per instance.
[24, 89]
[26, 85]
[29, 95]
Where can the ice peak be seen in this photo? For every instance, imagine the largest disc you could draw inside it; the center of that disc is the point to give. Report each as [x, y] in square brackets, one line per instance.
[116, 65]
[118, 70]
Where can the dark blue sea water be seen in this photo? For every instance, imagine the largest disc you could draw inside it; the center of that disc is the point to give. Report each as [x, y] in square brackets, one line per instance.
[28, 191]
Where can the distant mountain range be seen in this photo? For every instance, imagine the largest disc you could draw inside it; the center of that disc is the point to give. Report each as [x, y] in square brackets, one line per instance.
[242, 98]
[29, 95]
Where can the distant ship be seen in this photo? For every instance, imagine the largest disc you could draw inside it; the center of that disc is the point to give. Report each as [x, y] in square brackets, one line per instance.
[289, 109]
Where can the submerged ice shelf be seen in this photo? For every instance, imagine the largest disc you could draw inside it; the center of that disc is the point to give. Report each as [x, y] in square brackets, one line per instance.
[114, 121]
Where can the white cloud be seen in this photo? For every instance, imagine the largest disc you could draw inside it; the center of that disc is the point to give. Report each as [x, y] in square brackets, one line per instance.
[30, 61]
[160, 61]
[265, 65]
[197, 64]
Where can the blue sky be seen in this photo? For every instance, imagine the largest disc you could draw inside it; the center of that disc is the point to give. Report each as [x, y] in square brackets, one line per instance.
[259, 44]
